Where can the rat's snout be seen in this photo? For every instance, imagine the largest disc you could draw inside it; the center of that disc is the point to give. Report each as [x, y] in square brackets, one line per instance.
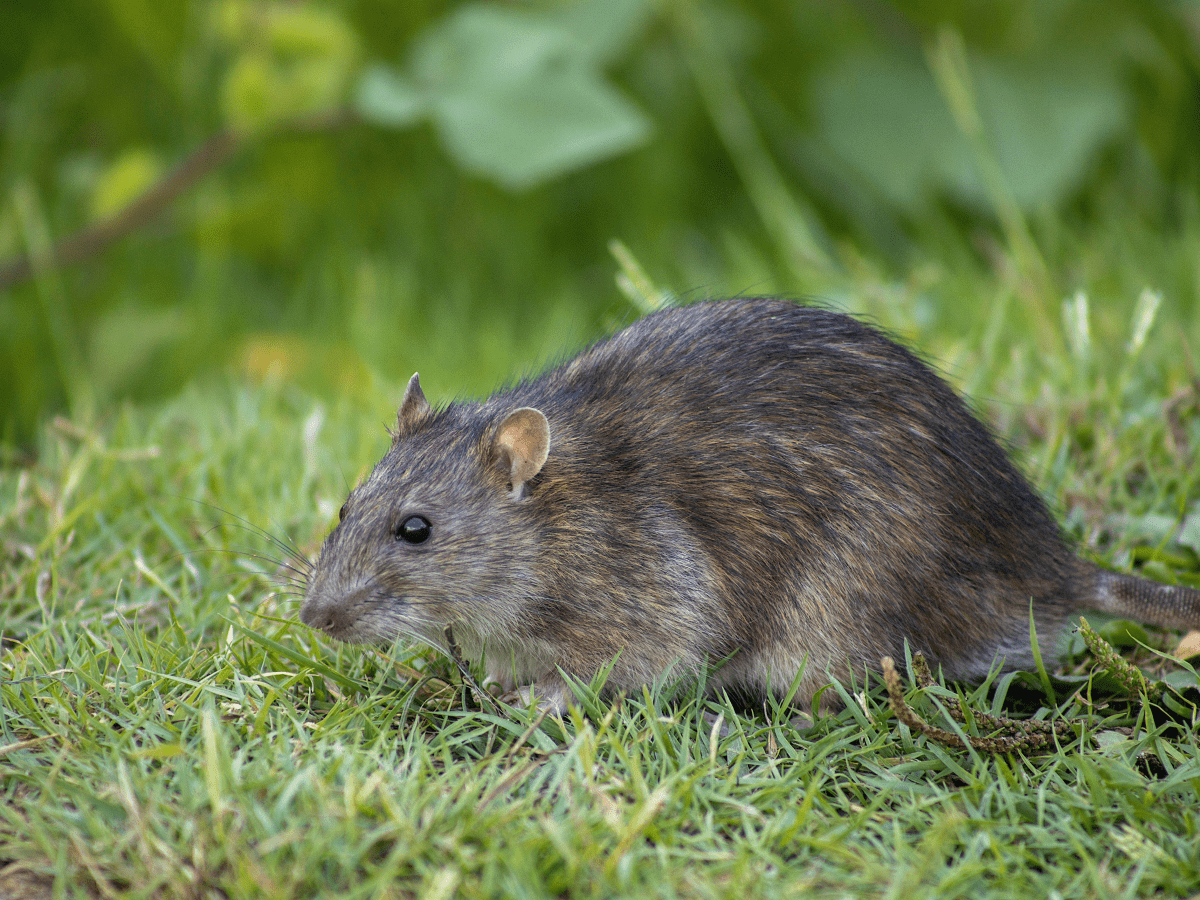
[328, 614]
[314, 613]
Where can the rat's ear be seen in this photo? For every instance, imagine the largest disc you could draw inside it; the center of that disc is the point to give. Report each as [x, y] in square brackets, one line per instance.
[413, 408]
[521, 445]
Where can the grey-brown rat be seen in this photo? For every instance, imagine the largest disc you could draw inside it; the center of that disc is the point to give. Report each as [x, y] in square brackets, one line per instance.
[775, 486]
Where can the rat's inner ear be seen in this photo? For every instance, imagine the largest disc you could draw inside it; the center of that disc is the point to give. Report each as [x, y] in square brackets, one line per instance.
[521, 445]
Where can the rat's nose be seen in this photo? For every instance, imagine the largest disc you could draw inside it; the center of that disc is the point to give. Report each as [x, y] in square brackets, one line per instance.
[332, 615]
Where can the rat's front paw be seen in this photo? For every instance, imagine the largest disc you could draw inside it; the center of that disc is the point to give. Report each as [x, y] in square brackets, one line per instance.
[549, 694]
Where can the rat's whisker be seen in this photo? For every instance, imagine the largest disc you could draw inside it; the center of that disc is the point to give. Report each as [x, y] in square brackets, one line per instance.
[283, 544]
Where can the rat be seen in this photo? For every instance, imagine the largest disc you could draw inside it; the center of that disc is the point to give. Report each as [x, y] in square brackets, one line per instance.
[776, 492]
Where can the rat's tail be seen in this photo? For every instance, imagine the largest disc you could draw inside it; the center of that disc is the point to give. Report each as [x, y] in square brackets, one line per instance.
[1171, 606]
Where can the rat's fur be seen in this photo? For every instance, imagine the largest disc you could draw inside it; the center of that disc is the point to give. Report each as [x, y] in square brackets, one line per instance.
[749, 480]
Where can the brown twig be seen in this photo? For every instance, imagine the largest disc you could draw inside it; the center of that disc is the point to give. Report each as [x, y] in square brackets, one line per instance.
[93, 239]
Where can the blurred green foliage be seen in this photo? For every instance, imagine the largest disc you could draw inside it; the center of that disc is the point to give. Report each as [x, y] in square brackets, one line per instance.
[435, 185]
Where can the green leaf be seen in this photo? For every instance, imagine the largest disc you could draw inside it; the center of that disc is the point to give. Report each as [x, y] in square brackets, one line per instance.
[524, 136]
[1150, 527]
[123, 181]
[1157, 570]
[1181, 679]
[1123, 633]
[1189, 534]
[1110, 740]
[1048, 121]
[385, 97]
[156, 29]
[881, 113]
[879, 110]
[515, 99]
[603, 29]
[292, 61]
[125, 339]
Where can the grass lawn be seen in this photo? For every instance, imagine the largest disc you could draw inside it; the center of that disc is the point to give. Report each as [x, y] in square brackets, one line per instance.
[273, 212]
[169, 729]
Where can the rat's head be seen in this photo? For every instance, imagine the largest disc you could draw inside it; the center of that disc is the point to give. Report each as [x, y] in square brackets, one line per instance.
[441, 531]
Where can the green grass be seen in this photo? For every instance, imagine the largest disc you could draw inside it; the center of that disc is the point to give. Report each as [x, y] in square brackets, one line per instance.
[170, 730]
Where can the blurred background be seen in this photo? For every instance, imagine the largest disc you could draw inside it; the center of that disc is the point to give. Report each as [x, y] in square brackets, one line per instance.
[335, 194]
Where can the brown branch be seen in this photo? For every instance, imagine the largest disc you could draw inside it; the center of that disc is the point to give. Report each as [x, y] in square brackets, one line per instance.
[93, 239]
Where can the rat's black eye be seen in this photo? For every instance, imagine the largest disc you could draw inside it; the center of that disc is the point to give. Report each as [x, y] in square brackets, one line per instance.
[342, 513]
[414, 530]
